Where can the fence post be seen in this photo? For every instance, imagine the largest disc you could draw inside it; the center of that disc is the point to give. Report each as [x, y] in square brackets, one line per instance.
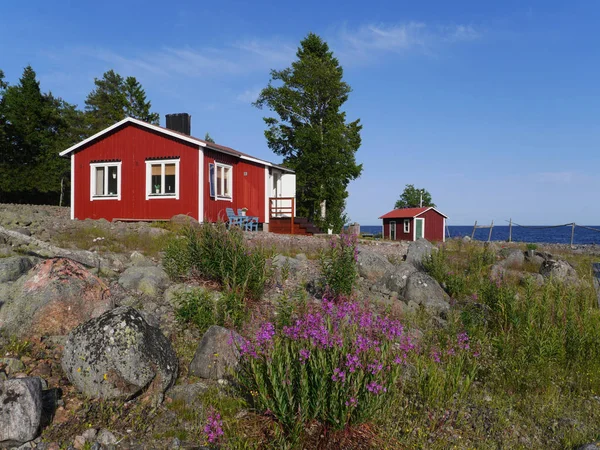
[491, 228]
[510, 230]
[474, 228]
[572, 232]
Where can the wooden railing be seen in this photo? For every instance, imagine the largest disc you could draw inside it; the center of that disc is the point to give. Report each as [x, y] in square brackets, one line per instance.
[283, 207]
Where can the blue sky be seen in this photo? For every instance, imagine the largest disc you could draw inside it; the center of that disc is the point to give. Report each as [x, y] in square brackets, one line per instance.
[494, 107]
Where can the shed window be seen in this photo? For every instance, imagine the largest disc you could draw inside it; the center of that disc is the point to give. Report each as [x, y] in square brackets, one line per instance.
[221, 181]
[407, 225]
[162, 179]
[105, 181]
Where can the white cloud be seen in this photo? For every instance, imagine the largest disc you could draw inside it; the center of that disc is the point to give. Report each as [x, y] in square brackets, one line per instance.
[369, 41]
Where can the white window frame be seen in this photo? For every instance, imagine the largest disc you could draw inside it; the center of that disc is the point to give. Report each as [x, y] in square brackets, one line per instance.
[154, 162]
[105, 165]
[221, 166]
[406, 226]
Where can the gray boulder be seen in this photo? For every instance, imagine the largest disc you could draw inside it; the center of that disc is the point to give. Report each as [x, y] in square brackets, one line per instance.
[372, 265]
[187, 393]
[426, 291]
[559, 270]
[394, 280]
[20, 410]
[148, 280]
[217, 353]
[139, 260]
[12, 268]
[513, 257]
[54, 297]
[281, 261]
[418, 251]
[118, 355]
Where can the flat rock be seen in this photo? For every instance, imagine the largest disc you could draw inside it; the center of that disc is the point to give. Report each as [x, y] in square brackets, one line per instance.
[20, 411]
[118, 355]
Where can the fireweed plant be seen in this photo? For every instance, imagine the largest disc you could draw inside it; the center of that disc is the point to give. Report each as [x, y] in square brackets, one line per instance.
[338, 265]
[336, 364]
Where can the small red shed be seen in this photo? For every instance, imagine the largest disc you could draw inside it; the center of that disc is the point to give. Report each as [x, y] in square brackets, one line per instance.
[134, 170]
[410, 224]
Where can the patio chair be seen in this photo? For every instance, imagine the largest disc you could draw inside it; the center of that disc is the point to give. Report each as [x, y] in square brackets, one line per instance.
[233, 220]
[251, 223]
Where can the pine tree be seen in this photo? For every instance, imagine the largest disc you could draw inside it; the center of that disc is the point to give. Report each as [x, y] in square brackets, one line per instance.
[33, 130]
[311, 132]
[137, 105]
[208, 138]
[106, 105]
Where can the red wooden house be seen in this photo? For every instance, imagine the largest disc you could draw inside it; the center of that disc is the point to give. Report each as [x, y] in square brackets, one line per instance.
[410, 224]
[137, 171]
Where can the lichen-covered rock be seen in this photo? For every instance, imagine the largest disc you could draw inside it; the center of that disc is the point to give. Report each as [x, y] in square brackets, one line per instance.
[52, 298]
[216, 354]
[118, 355]
[426, 291]
[394, 280]
[418, 251]
[372, 265]
[148, 280]
[20, 411]
[513, 258]
[559, 270]
[13, 267]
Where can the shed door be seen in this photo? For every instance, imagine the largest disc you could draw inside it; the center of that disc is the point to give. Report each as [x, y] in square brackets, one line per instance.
[393, 231]
[419, 228]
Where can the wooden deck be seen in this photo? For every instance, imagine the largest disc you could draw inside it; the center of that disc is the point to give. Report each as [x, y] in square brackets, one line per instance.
[282, 219]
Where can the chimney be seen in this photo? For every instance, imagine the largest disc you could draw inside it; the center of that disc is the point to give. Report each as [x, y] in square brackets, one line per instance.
[181, 122]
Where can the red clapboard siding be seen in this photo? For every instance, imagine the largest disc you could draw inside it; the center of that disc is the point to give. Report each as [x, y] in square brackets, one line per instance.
[434, 225]
[248, 188]
[132, 145]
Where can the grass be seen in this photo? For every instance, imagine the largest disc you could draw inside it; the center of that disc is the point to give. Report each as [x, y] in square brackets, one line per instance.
[86, 238]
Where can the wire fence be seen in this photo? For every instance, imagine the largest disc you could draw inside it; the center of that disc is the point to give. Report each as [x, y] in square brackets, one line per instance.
[573, 225]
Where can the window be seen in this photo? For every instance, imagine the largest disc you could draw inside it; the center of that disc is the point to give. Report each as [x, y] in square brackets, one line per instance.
[221, 181]
[407, 225]
[162, 179]
[105, 181]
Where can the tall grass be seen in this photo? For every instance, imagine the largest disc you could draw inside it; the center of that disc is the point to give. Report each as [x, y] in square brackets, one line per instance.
[221, 255]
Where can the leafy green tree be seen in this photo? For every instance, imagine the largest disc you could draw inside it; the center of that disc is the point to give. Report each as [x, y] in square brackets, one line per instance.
[412, 197]
[208, 138]
[137, 105]
[311, 132]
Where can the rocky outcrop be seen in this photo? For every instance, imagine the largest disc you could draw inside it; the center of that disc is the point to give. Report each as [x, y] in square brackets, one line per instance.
[427, 292]
[148, 280]
[372, 265]
[559, 270]
[394, 280]
[217, 354]
[418, 251]
[513, 258]
[118, 355]
[20, 411]
[12, 268]
[54, 297]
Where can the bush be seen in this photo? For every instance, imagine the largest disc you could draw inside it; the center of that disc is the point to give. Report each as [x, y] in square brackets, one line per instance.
[338, 266]
[336, 364]
[221, 255]
[203, 308]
